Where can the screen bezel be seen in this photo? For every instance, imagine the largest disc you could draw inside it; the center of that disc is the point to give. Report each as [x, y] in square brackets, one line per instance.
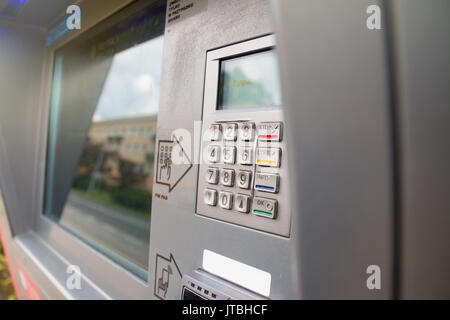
[213, 63]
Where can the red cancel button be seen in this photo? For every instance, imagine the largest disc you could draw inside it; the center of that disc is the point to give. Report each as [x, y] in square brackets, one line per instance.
[269, 131]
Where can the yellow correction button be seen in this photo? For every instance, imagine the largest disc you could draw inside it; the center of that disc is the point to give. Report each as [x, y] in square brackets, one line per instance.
[268, 157]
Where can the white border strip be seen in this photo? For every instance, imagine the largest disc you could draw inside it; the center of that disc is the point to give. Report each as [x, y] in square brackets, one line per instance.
[244, 275]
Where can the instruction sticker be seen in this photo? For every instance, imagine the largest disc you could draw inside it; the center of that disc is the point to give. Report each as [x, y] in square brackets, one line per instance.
[173, 163]
[167, 277]
[178, 10]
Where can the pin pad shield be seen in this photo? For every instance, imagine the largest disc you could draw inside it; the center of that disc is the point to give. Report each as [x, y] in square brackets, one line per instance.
[243, 178]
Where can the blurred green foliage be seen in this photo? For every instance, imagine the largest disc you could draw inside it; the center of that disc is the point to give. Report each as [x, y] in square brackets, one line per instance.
[123, 197]
[6, 286]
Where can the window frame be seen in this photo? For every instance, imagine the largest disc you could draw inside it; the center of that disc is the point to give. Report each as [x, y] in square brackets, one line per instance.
[107, 275]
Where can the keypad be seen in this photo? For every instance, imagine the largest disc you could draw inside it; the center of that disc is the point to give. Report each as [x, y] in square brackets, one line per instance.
[243, 175]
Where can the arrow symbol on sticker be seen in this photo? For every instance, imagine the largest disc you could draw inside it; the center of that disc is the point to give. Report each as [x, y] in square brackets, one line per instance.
[173, 163]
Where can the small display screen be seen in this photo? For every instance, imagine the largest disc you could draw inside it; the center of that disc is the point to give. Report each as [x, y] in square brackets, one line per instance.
[250, 81]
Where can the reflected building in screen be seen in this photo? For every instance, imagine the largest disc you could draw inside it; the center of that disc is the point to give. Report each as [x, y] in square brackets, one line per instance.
[126, 144]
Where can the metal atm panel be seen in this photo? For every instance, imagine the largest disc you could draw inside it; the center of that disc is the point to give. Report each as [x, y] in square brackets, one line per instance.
[176, 213]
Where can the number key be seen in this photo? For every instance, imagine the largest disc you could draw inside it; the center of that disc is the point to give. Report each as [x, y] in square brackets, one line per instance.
[210, 197]
[243, 179]
[245, 156]
[229, 131]
[225, 200]
[213, 154]
[212, 175]
[247, 131]
[242, 203]
[214, 132]
[229, 155]
[227, 177]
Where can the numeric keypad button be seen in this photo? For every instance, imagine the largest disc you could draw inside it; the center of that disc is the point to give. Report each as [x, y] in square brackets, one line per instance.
[229, 155]
[213, 154]
[227, 177]
[242, 203]
[230, 131]
[247, 131]
[210, 197]
[212, 175]
[244, 179]
[226, 200]
[214, 132]
[245, 156]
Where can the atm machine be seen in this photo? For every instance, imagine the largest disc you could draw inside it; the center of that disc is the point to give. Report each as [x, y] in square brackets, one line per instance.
[223, 150]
